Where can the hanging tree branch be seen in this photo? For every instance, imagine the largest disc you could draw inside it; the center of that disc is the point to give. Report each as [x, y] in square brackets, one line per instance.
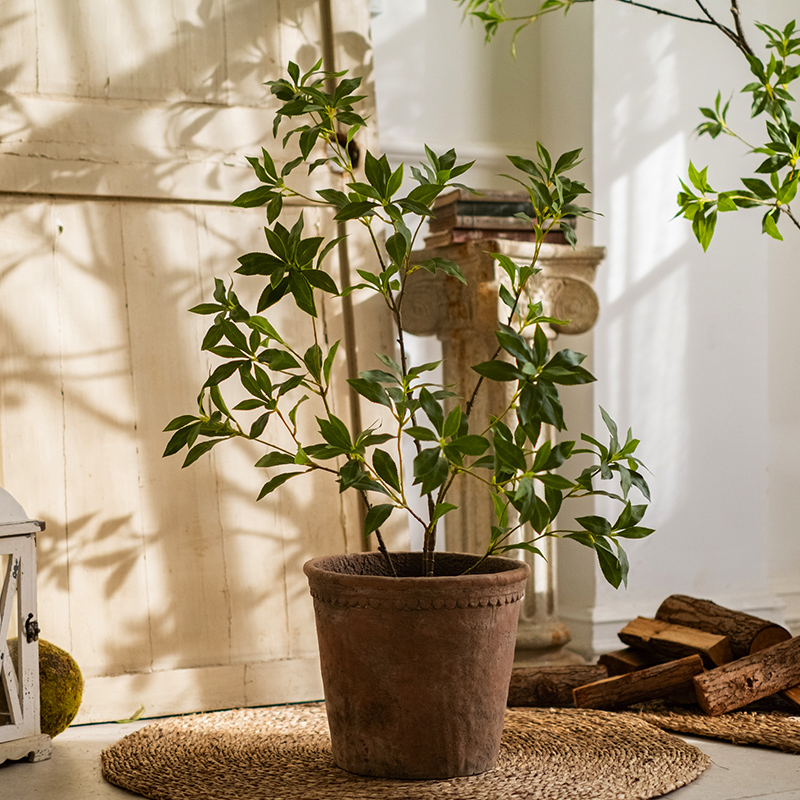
[737, 36]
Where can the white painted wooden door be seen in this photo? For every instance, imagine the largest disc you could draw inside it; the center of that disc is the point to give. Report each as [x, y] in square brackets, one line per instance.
[122, 140]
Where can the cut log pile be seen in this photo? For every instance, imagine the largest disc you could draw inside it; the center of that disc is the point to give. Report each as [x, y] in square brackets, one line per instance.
[694, 651]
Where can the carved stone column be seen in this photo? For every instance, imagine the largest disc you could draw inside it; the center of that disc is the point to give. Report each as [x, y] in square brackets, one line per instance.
[464, 319]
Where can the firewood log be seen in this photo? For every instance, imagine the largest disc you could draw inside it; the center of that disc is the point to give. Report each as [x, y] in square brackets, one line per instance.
[745, 633]
[748, 679]
[550, 686]
[652, 683]
[629, 659]
[676, 641]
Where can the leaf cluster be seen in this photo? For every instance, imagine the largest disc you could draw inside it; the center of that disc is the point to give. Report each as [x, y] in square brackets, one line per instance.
[771, 97]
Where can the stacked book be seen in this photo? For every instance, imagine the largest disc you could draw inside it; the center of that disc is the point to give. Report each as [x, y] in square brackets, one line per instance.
[460, 216]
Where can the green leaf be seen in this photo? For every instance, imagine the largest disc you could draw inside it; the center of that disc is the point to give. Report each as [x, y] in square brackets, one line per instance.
[631, 515]
[423, 434]
[320, 279]
[498, 371]
[452, 423]
[531, 548]
[386, 468]
[771, 228]
[293, 412]
[377, 172]
[180, 422]
[471, 444]
[435, 477]
[611, 568]
[207, 308]
[514, 344]
[635, 532]
[255, 197]
[759, 188]
[434, 265]
[360, 208]
[303, 294]
[264, 326]
[278, 480]
[440, 509]
[432, 409]
[223, 372]
[313, 360]
[278, 360]
[335, 432]
[218, 400]
[376, 516]
[397, 247]
[509, 454]
[329, 359]
[275, 459]
[595, 524]
[372, 390]
[426, 461]
[554, 481]
[198, 450]
[612, 428]
[257, 428]
[788, 191]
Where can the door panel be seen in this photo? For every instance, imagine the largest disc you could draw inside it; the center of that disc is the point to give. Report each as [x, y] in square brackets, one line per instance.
[122, 143]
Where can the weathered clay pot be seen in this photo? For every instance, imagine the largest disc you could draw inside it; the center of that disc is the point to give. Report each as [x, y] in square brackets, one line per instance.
[416, 670]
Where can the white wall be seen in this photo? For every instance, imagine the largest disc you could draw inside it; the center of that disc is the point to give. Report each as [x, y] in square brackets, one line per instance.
[681, 331]
[437, 84]
[697, 352]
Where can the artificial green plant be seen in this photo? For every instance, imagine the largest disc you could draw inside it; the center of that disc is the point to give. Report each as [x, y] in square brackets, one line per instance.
[773, 185]
[525, 473]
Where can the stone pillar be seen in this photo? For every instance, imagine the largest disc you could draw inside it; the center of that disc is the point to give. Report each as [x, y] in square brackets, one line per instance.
[464, 319]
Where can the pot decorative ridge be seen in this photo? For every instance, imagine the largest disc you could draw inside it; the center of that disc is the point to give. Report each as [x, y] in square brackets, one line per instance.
[382, 591]
[415, 685]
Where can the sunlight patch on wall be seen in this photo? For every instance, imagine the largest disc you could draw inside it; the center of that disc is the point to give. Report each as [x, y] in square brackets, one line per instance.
[647, 197]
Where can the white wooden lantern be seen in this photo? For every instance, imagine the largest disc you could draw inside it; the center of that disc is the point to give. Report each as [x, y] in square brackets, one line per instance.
[20, 727]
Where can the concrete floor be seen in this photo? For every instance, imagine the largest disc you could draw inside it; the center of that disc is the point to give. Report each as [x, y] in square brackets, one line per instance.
[73, 773]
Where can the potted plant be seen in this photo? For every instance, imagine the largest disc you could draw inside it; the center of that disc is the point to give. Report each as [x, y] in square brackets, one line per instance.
[416, 648]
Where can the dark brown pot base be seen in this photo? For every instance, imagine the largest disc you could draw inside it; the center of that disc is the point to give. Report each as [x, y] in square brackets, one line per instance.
[416, 670]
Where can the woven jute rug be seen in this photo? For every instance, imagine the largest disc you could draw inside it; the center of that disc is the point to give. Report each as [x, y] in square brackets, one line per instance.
[775, 729]
[283, 753]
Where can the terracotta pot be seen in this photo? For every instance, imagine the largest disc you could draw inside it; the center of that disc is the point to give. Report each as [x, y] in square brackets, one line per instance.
[416, 670]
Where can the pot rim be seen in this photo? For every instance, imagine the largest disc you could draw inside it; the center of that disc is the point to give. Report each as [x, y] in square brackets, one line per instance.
[513, 575]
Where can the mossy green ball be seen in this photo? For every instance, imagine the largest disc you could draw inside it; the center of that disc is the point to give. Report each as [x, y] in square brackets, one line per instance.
[60, 686]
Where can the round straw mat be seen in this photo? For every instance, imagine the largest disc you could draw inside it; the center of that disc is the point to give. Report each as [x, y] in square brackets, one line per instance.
[283, 753]
[775, 729]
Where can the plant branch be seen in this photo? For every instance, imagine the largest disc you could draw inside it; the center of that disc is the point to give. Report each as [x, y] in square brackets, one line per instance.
[666, 13]
[737, 21]
[737, 36]
[795, 221]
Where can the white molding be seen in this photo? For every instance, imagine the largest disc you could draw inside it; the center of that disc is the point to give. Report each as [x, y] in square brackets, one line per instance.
[594, 630]
[186, 691]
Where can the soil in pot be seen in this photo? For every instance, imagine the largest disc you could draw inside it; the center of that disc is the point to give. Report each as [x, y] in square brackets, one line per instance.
[416, 670]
